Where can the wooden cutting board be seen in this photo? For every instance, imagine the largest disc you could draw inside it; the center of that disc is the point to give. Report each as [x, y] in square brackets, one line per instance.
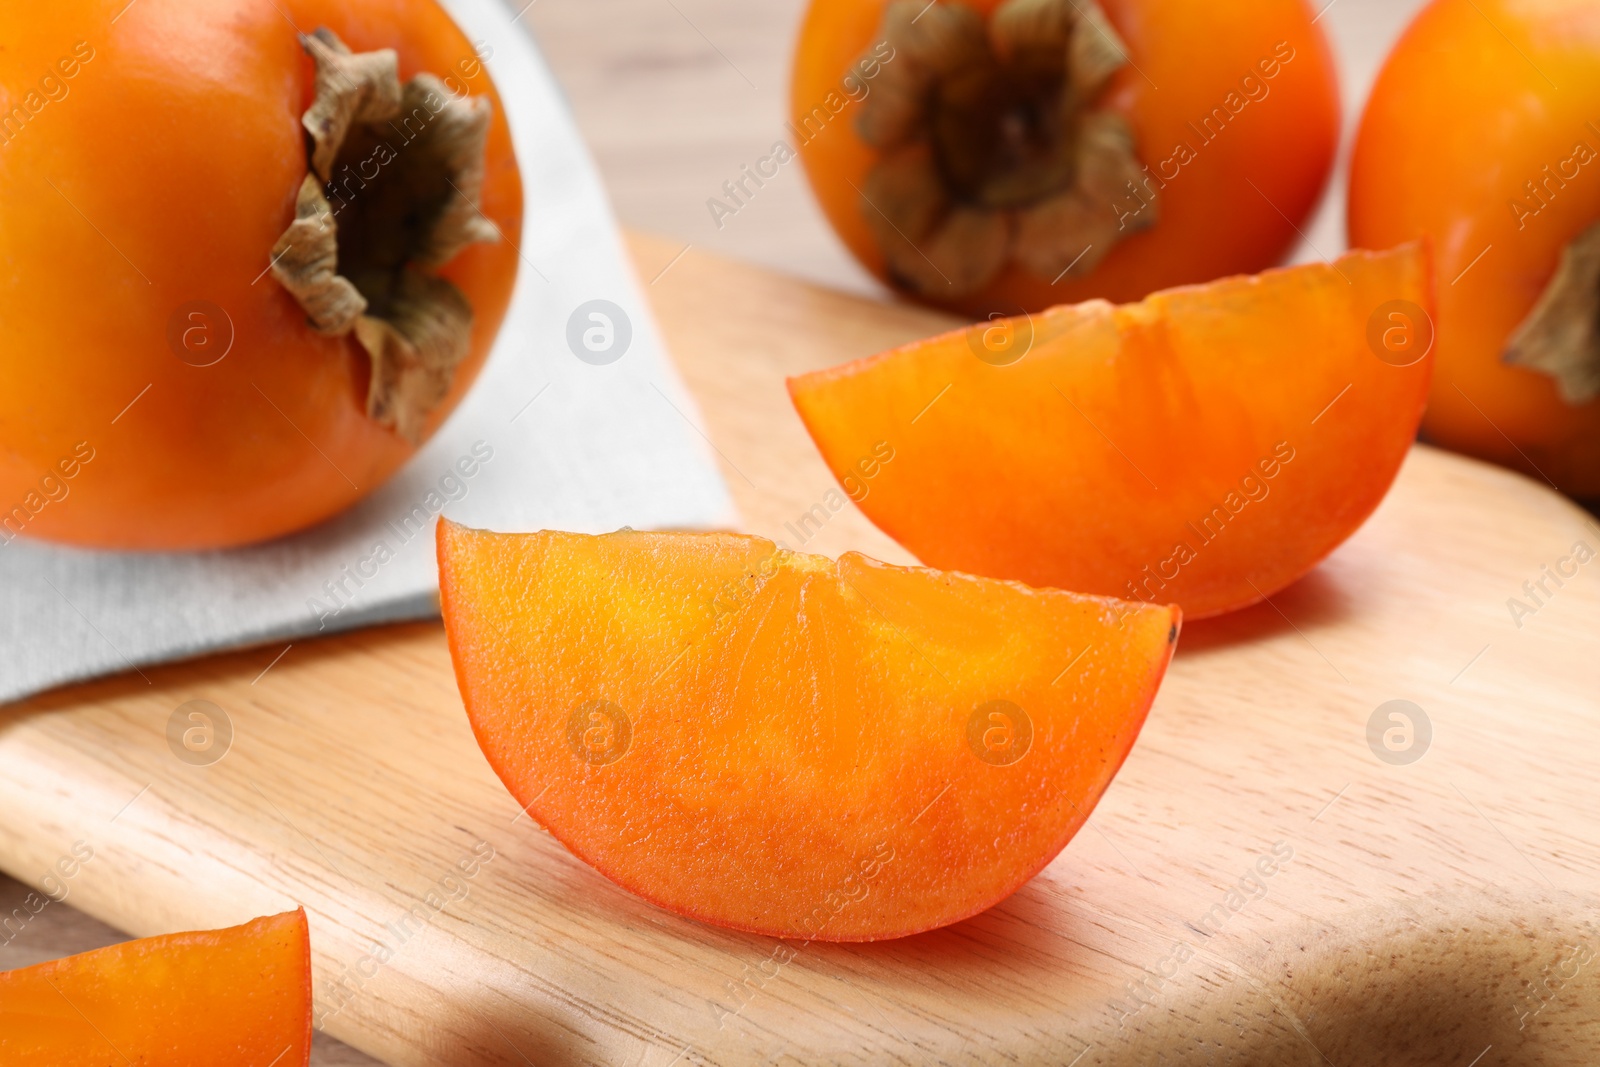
[1261, 885]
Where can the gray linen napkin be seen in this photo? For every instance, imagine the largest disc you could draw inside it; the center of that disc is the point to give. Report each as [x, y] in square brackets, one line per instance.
[562, 431]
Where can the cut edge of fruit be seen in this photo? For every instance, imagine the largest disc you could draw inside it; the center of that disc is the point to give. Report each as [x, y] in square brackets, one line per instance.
[810, 563]
[1047, 323]
[303, 931]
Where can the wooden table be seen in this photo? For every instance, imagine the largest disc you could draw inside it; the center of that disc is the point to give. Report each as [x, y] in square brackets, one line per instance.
[1263, 883]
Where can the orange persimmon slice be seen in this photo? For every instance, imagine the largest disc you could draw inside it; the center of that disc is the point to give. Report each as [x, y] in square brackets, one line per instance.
[240, 997]
[1206, 446]
[787, 745]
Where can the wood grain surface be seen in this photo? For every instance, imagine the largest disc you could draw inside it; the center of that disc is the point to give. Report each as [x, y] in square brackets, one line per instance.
[1260, 886]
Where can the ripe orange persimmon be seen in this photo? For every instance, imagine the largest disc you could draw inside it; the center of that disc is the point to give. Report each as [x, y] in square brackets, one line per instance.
[205, 339]
[1206, 447]
[1002, 155]
[238, 996]
[1468, 139]
[779, 743]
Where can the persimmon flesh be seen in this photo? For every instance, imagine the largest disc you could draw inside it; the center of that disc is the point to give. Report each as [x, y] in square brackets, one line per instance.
[1467, 139]
[164, 390]
[1206, 446]
[1000, 155]
[784, 744]
[238, 996]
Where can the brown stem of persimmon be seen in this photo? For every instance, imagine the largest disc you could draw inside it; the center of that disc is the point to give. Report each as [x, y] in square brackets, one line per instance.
[1561, 335]
[392, 195]
[991, 149]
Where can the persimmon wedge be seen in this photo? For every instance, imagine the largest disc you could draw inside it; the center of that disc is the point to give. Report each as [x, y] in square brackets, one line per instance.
[783, 744]
[1206, 446]
[240, 997]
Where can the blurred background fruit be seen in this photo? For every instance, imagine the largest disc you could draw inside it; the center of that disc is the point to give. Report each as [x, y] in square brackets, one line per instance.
[1480, 133]
[999, 156]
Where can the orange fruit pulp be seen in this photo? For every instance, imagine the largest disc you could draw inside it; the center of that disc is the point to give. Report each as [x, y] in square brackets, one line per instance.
[237, 996]
[783, 744]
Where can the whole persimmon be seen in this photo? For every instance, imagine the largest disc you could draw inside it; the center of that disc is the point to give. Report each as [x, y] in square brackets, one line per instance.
[1005, 155]
[255, 252]
[1481, 133]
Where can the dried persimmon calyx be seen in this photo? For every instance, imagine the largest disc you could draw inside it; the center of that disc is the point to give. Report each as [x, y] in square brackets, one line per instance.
[306, 262]
[992, 149]
[393, 193]
[1561, 335]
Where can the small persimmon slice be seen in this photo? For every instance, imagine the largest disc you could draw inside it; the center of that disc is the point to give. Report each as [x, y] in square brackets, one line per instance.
[240, 997]
[1207, 446]
[783, 744]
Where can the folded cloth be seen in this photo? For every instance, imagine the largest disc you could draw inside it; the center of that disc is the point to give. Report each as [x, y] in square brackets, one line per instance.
[578, 423]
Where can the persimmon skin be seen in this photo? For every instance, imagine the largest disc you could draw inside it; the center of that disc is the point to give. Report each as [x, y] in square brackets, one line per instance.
[1212, 222]
[165, 176]
[1457, 122]
[237, 996]
[799, 759]
[1206, 446]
